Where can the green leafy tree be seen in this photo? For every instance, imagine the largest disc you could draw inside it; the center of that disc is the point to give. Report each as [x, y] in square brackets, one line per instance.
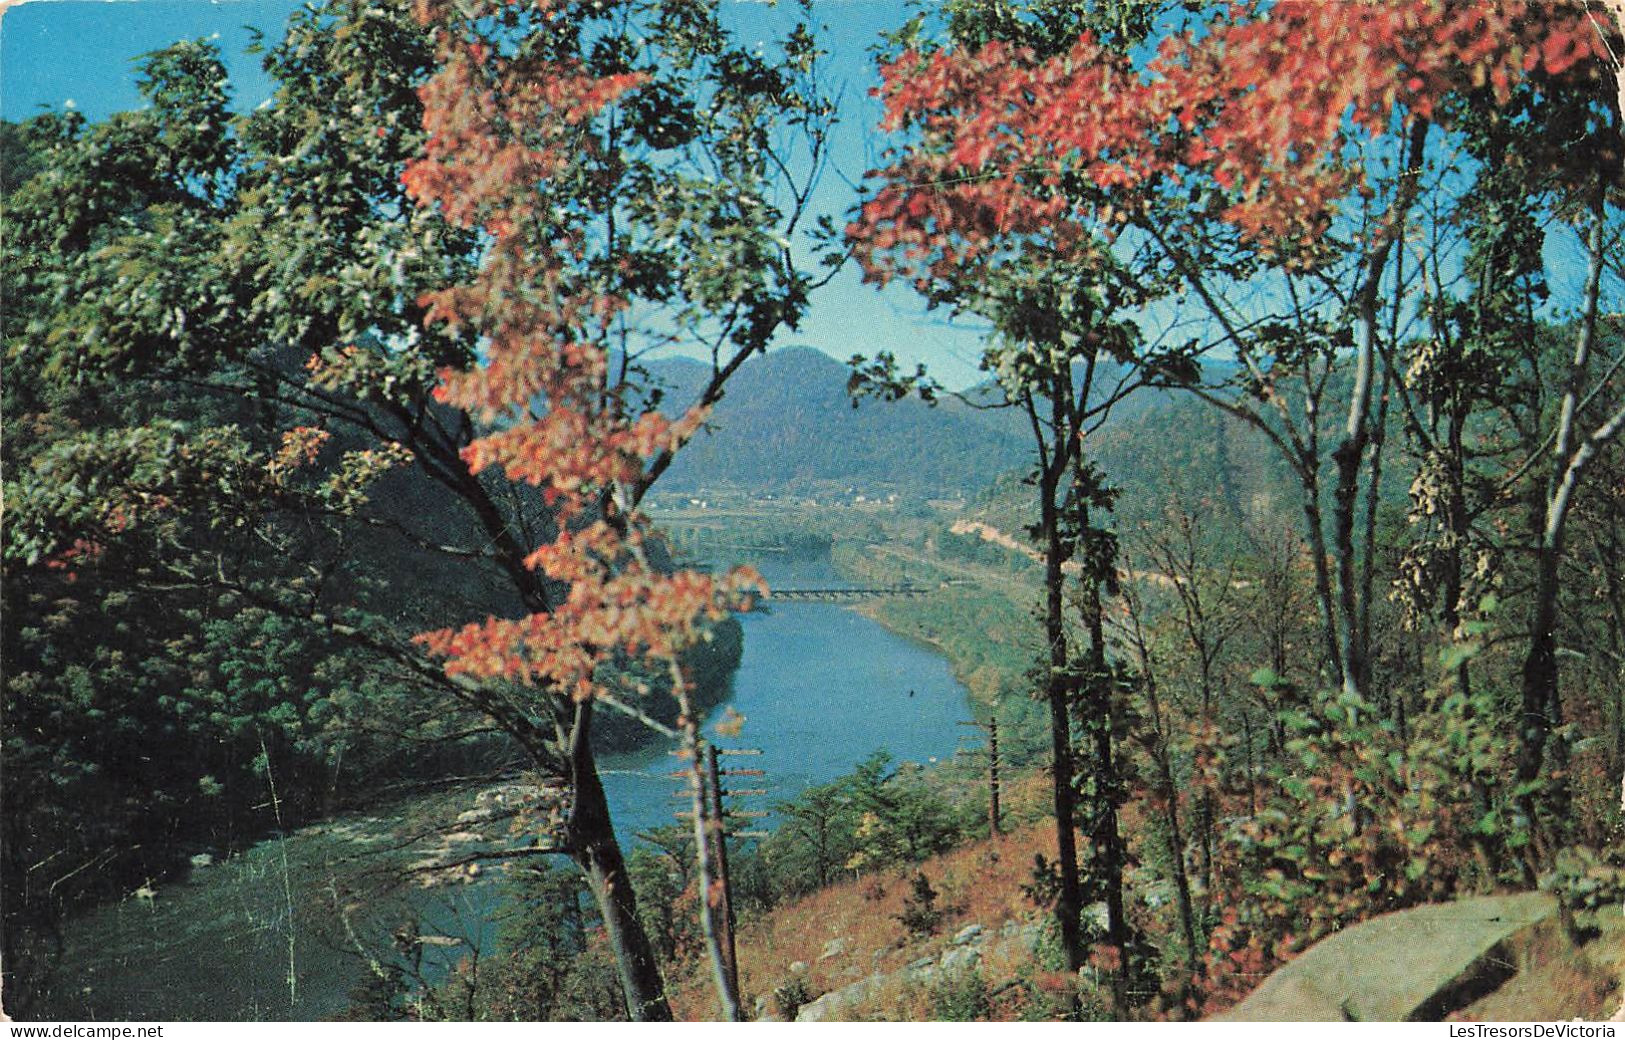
[1063, 353]
[1277, 188]
[275, 266]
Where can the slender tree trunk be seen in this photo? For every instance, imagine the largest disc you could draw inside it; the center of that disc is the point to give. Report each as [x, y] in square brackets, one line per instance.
[1247, 745]
[1168, 793]
[1111, 864]
[709, 849]
[1349, 641]
[1068, 905]
[1571, 452]
[713, 908]
[1204, 825]
[1176, 856]
[1351, 638]
[598, 853]
[993, 825]
[1609, 559]
[1368, 542]
[1315, 530]
[1452, 584]
[1100, 704]
[1539, 680]
[1112, 858]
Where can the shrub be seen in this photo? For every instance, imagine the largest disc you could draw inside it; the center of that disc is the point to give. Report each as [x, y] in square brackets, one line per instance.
[920, 915]
[1586, 881]
[1359, 819]
[961, 996]
[791, 996]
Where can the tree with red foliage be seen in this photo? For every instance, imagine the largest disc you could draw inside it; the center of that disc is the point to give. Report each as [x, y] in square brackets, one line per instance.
[1267, 163]
[1234, 150]
[1058, 328]
[522, 146]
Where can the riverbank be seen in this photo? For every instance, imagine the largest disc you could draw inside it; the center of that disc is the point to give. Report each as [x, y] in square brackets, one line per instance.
[992, 657]
[290, 927]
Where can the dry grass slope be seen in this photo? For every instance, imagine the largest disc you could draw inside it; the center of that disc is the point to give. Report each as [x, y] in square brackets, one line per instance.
[849, 932]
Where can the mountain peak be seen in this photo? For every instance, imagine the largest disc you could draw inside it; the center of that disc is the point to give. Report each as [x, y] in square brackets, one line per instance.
[787, 423]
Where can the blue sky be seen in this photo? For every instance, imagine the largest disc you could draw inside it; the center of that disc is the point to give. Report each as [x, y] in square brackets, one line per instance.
[57, 52]
[53, 52]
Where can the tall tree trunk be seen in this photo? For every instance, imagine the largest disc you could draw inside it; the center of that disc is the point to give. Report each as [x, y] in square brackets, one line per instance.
[598, 853]
[1112, 861]
[1353, 665]
[1351, 637]
[1112, 858]
[1167, 788]
[1572, 452]
[710, 848]
[1539, 680]
[1058, 687]
[1368, 541]
[1314, 529]
[1176, 854]
[1609, 558]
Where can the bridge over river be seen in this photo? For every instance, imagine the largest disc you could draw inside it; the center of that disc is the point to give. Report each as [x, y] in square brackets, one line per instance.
[845, 595]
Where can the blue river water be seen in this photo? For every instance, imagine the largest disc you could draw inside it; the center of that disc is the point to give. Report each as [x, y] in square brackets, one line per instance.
[285, 929]
[821, 688]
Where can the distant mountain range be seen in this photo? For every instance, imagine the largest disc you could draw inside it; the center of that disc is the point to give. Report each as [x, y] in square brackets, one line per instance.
[788, 425]
[1161, 445]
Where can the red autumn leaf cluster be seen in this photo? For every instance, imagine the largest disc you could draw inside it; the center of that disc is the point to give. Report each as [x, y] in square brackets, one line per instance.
[616, 602]
[299, 447]
[510, 136]
[1268, 107]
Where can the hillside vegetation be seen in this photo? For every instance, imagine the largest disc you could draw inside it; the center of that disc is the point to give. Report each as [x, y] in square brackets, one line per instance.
[845, 953]
[787, 425]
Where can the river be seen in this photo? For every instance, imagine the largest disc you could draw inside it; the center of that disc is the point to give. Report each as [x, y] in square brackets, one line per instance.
[265, 935]
[821, 688]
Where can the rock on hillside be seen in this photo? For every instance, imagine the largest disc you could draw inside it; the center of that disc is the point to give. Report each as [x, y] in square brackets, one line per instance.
[968, 948]
[1432, 962]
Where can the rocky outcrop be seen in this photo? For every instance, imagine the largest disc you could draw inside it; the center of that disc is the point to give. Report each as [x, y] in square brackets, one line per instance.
[963, 952]
[1412, 965]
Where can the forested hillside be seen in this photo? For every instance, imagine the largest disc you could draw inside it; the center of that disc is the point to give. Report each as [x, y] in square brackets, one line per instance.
[788, 425]
[791, 425]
